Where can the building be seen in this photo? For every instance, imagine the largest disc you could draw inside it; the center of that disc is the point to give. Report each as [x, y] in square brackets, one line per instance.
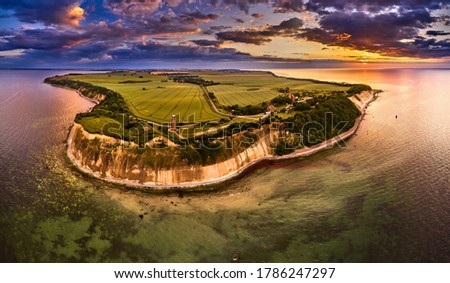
[173, 124]
[289, 107]
[291, 96]
[270, 108]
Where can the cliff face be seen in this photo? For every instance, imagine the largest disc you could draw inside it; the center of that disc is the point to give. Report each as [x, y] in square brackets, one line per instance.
[360, 100]
[124, 162]
[116, 160]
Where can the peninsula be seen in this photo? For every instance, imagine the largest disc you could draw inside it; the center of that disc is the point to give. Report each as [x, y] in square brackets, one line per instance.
[179, 129]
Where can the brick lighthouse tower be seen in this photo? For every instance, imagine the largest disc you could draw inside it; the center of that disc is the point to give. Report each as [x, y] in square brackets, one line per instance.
[173, 124]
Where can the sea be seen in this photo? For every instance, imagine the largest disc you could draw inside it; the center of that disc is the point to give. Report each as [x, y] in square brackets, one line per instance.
[383, 197]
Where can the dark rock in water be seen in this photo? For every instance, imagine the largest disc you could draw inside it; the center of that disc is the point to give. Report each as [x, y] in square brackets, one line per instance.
[141, 216]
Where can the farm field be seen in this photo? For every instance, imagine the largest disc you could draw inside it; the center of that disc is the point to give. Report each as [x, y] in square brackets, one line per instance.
[251, 88]
[154, 97]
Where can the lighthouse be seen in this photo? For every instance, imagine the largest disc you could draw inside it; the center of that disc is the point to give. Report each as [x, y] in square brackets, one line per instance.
[291, 96]
[173, 124]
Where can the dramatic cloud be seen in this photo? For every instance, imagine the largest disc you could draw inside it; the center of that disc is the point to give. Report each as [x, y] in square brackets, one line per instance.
[164, 24]
[45, 39]
[42, 31]
[428, 48]
[205, 42]
[133, 7]
[391, 34]
[214, 29]
[152, 50]
[198, 16]
[285, 6]
[257, 15]
[445, 19]
[243, 5]
[437, 32]
[373, 6]
[262, 35]
[48, 12]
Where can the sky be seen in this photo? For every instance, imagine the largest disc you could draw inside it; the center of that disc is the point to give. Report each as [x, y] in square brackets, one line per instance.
[223, 33]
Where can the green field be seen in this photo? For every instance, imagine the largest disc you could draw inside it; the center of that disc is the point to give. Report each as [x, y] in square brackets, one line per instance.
[98, 125]
[156, 97]
[161, 98]
[251, 88]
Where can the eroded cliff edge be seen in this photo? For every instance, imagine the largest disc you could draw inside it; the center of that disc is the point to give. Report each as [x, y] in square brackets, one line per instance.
[124, 162]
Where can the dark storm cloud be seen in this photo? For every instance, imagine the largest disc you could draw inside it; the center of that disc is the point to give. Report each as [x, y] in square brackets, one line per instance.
[437, 32]
[8, 32]
[286, 6]
[243, 5]
[214, 29]
[83, 53]
[47, 47]
[291, 24]
[246, 36]
[384, 26]
[156, 51]
[158, 23]
[257, 15]
[129, 52]
[371, 6]
[43, 39]
[48, 12]
[152, 50]
[384, 33]
[282, 6]
[445, 19]
[163, 24]
[53, 38]
[206, 42]
[132, 8]
[199, 16]
[429, 48]
[262, 35]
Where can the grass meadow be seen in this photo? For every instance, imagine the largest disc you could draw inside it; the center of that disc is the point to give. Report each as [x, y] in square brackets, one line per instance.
[155, 97]
[251, 88]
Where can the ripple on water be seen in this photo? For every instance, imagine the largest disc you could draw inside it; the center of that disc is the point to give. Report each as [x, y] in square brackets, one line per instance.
[389, 189]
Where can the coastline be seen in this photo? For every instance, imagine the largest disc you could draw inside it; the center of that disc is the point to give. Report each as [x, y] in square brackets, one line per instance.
[79, 93]
[328, 144]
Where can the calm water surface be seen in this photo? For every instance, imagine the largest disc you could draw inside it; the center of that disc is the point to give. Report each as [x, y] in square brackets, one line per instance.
[383, 198]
